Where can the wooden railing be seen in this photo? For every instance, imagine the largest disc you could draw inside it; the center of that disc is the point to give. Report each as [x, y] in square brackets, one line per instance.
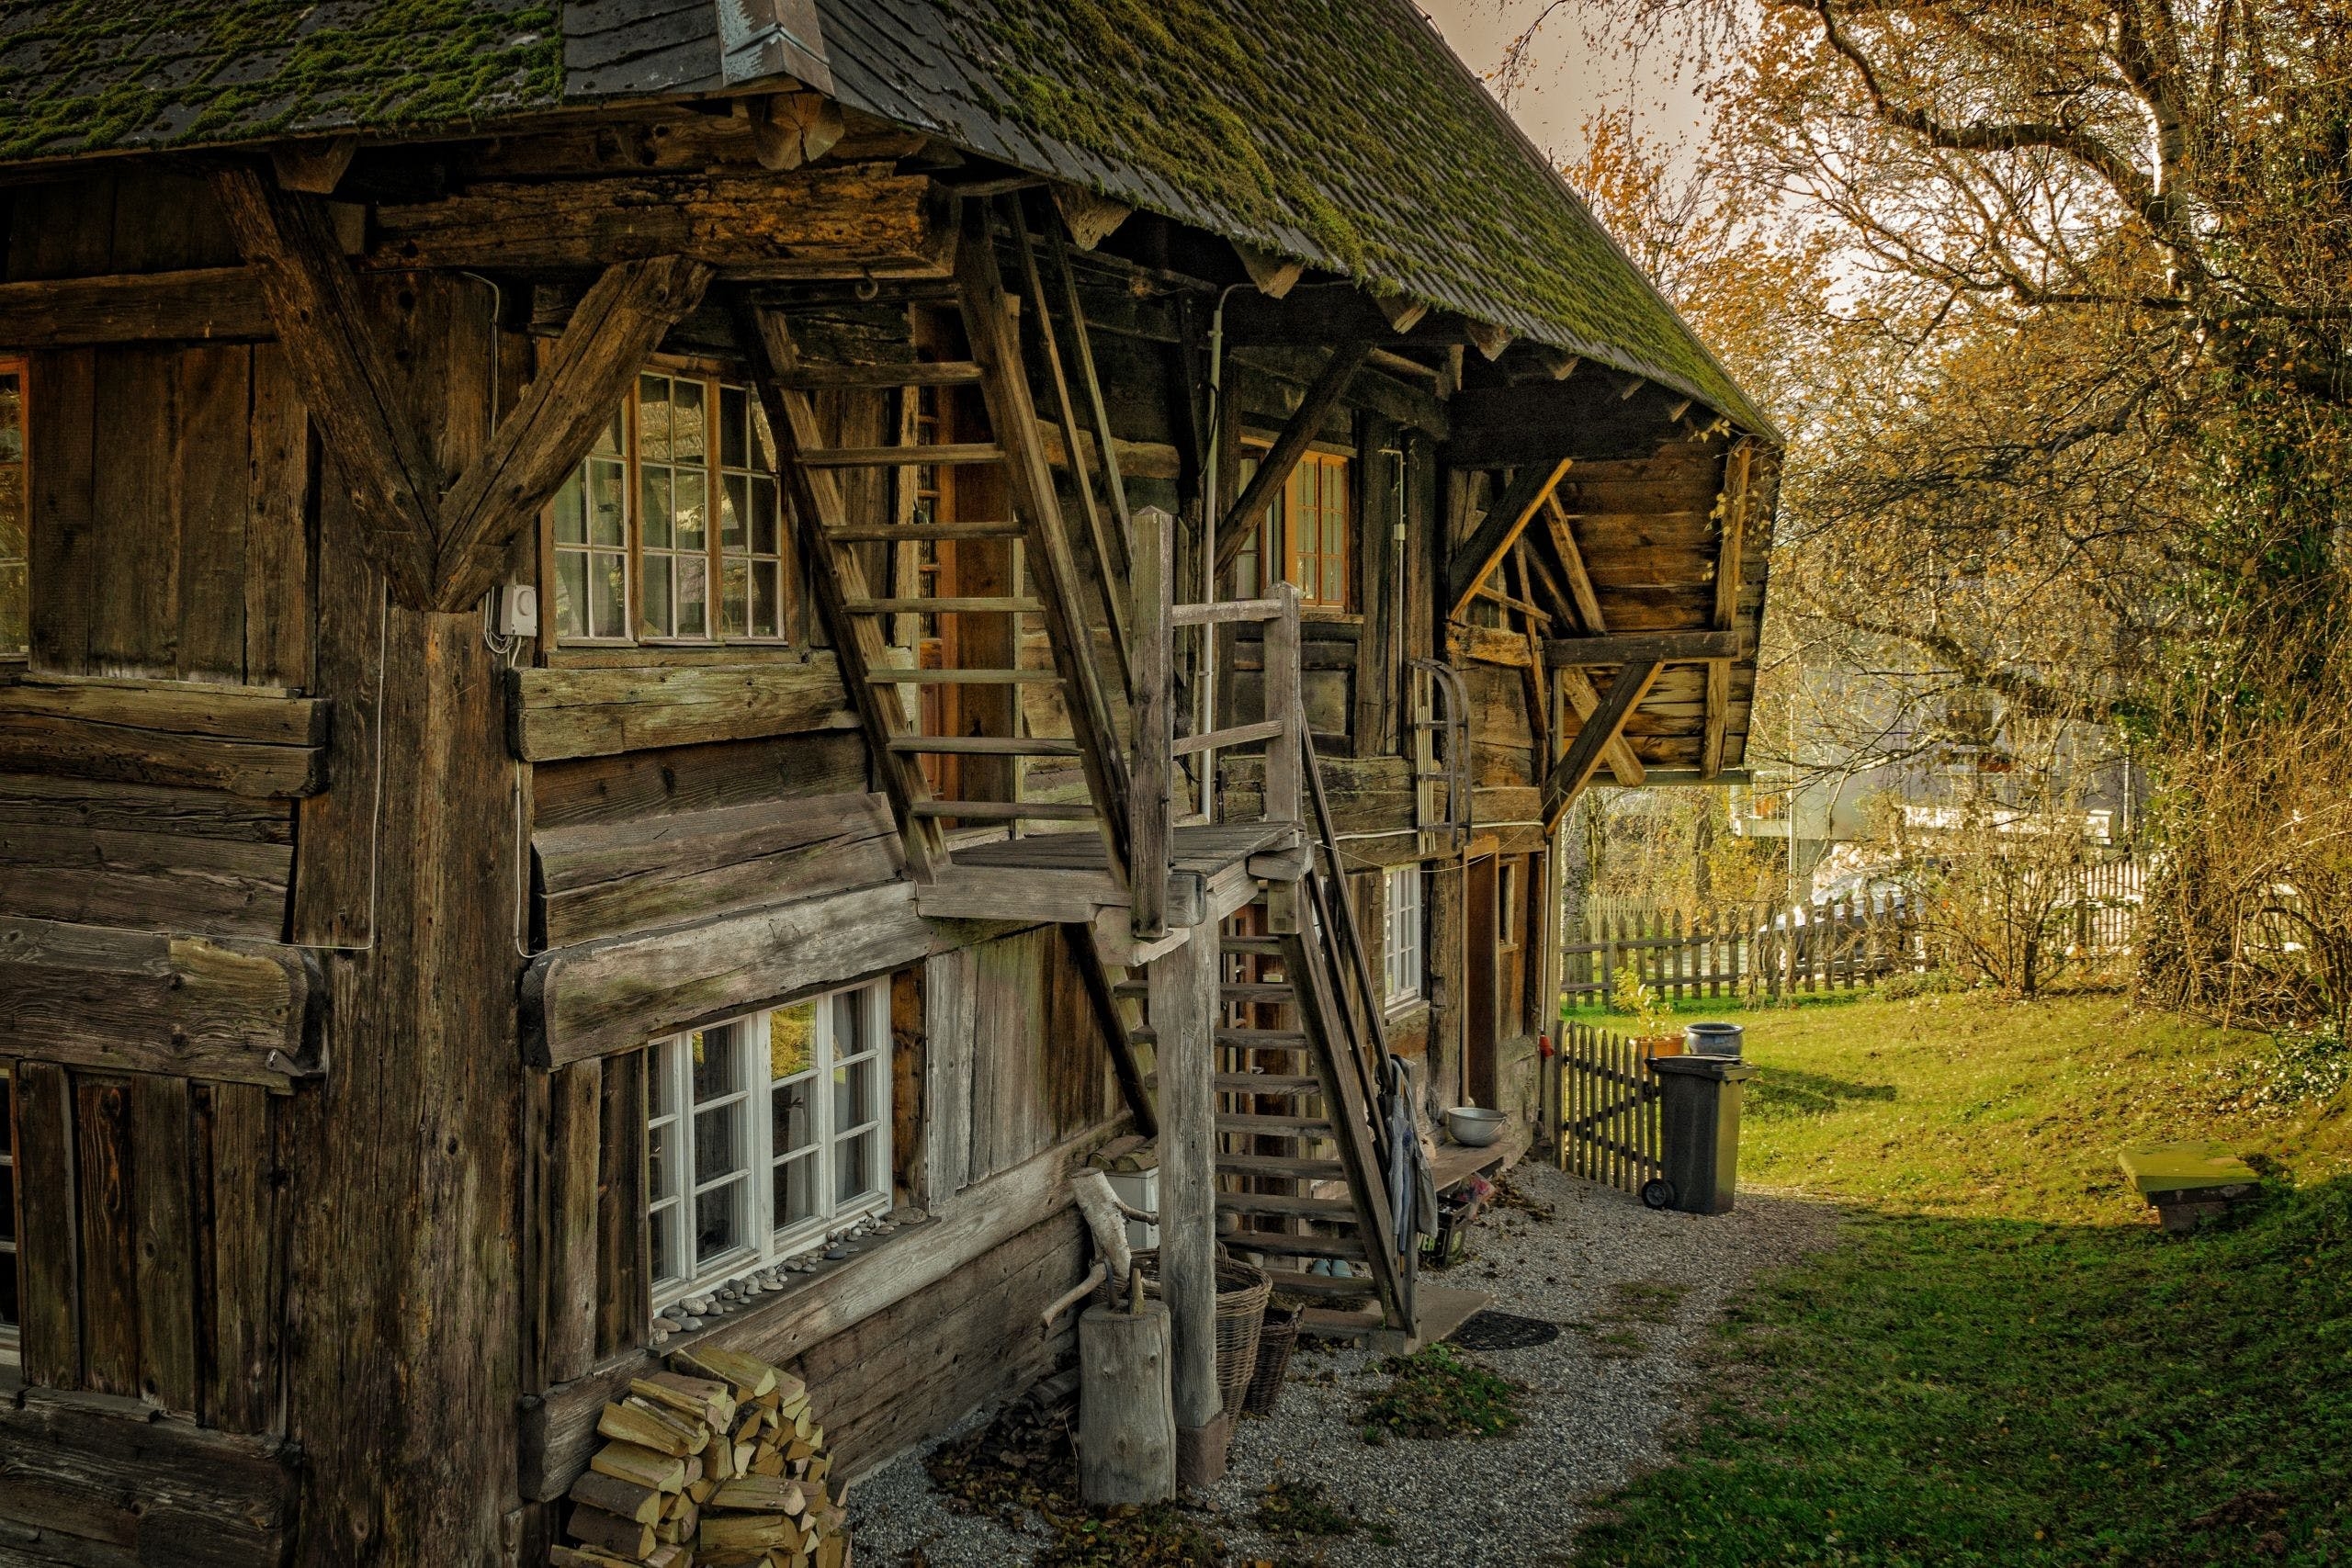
[1153, 779]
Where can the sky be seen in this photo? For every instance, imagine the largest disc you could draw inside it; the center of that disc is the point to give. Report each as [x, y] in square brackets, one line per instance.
[1572, 77]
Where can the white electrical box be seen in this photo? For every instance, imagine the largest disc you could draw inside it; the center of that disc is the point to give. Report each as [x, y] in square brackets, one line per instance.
[1138, 1189]
[518, 610]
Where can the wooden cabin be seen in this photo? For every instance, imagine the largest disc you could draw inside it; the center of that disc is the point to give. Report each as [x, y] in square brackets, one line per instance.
[658, 657]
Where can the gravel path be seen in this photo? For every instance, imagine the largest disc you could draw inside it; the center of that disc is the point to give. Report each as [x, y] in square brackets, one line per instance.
[1638, 1288]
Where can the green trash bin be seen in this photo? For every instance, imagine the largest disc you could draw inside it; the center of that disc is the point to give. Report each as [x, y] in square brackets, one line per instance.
[1701, 1129]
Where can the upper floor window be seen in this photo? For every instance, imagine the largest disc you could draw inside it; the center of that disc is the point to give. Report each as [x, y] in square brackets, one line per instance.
[765, 1132]
[16, 588]
[672, 529]
[1307, 529]
[1401, 937]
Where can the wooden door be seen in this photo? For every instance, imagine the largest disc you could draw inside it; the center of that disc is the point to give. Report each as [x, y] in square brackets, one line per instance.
[1481, 993]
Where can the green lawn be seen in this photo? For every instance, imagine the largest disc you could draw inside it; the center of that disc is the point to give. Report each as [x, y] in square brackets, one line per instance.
[2002, 1362]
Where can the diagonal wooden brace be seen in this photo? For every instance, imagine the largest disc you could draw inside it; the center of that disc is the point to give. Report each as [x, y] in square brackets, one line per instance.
[620, 321]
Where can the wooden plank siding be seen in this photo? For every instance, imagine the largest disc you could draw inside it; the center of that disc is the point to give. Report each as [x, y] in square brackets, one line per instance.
[150, 1250]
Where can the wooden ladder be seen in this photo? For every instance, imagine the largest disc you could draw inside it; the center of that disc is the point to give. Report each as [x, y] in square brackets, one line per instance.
[853, 613]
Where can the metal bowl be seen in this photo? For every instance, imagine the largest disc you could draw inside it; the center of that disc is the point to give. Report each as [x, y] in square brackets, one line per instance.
[1473, 1126]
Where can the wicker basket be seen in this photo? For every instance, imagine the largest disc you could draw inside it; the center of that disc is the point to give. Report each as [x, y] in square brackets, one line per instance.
[1276, 1339]
[1242, 1293]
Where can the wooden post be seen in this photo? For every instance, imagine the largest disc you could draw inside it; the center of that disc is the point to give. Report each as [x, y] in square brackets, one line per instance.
[1127, 1428]
[1282, 752]
[1149, 801]
[402, 1353]
[1183, 1000]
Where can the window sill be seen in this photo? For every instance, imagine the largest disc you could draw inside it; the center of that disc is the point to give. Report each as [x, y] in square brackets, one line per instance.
[750, 1307]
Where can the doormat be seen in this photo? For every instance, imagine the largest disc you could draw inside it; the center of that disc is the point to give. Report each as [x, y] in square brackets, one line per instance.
[1504, 1331]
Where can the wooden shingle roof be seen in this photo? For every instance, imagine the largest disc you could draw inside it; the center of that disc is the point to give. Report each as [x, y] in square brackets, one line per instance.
[1342, 133]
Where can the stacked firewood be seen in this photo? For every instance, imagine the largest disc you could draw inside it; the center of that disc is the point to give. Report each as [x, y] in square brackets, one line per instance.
[718, 1463]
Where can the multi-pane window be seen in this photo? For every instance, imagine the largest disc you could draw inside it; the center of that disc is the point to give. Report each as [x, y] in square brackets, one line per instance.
[750, 524]
[1306, 528]
[674, 506]
[638, 553]
[592, 540]
[8, 1308]
[763, 1133]
[16, 636]
[1401, 938]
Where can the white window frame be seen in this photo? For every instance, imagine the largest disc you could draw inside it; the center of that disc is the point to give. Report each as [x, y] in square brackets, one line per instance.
[757, 1160]
[1404, 909]
[1506, 898]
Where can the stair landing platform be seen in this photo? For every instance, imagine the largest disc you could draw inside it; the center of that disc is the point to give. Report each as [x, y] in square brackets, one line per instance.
[1065, 879]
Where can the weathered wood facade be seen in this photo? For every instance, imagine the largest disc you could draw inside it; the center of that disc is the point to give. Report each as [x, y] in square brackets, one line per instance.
[1177, 733]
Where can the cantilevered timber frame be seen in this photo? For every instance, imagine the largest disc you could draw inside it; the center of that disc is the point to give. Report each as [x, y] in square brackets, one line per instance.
[1737, 464]
[440, 548]
[1297, 435]
[1605, 724]
[1577, 595]
[1471, 565]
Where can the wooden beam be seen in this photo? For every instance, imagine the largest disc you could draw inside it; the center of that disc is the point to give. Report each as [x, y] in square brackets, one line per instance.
[1466, 572]
[210, 304]
[313, 167]
[1489, 340]
[344, 375]
[1664, 648]
[1403, 314]
[537, 445]
[1091, 219]
[109, 1000]
[1274, 275]
[1275, 471]
[1564, 544]
[572, 712]
[1623, 763]
[167, 732]
[1607, 723]
[1734, 545]
[598, 998]
[852, 220]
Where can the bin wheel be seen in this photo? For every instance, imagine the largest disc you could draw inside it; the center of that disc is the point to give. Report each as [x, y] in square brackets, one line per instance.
[1658, 1192]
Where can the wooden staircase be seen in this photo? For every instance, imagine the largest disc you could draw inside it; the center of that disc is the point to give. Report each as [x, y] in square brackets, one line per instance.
[1051, 592]
[1301, 1184]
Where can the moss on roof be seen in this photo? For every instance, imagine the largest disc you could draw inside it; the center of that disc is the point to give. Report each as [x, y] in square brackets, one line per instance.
[88, 74]
[1345, 134]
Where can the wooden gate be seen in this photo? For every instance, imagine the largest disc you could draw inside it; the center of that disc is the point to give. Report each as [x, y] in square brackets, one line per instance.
[1610, 1122]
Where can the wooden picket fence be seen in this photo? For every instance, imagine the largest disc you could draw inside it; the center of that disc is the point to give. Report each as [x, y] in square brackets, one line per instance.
[1611, 1127]
[1754, 951]
[1745, 952]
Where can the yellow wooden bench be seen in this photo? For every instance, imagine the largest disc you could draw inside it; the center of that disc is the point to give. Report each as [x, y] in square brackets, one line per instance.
[2189, 1182]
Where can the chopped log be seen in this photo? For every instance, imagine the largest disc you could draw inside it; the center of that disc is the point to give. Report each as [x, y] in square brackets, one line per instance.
[1126, 1446]
[622, 1499]
[761, 1495]
[625, 1537]
[640, 1465]
[634, 1421]
[749, 1378]
[750, 1532]
[1100, 1206]
[700, 1399]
